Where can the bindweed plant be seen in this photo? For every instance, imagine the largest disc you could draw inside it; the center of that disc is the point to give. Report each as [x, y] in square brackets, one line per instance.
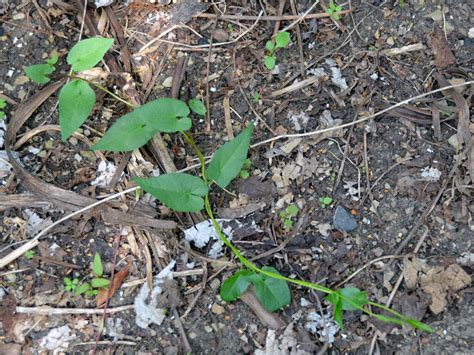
[282, 40]
[183, 192]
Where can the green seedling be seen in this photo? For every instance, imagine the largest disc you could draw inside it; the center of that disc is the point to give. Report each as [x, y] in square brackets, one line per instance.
[183, 192]
[244, 173]
[70, 285]
[230, 28]
[30, 254]
[325, 201]
[333, 10]
[256, 97]
[39, 73]
[89, 288]
[282, 40]
[3, 104]
[287, 215]
[402, 3]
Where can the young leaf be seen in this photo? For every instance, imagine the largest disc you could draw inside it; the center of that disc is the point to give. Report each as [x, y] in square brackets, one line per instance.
[76, 100]
[292, 210]
[3, 103]
[97, 267]
[337, 310]
[197, 106]
[88, 52]
[53, 59]
[282, 39]
[67, 281]
[99, 282]
[235, 286]
[229, 159]
[82, 289]
[39, 73]
[179, 191]
[355, 296]
[134, 129]
[269, 62]
[270, 46]
[272, 293]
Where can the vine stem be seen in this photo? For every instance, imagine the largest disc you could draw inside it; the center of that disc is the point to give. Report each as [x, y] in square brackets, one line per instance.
[104, 89]
[399, 318]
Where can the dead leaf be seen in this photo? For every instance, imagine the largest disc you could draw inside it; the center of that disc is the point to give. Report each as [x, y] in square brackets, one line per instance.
[7, 312]
[444, 57]
[114, 285]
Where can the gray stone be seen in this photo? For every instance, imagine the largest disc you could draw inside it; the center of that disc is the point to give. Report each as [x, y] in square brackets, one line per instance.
[343, 220]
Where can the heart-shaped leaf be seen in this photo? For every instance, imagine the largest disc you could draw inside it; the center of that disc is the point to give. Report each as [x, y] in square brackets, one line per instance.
[356, 296]
[76, 100]
[236, 285]
[178, 191]
[272, 293]
[88, 52]
[282, 39]
[39, 72]
[269, 61]
[136, 128]
[229, 159]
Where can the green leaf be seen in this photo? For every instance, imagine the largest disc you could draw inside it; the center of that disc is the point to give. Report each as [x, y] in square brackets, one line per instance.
[272, 293]
[338, 314]
[197, 106]
[282, 39]
[229, 159]
[67, 281]
[420, 325]
[136, 128]
[82, 289]
[288, 224]
[88, 52]
[356, 296]
[235, 286]
[179, 191]
[100, 283]
[270, 46]
[269, 62]
[244, 174]
[76, 101]
[97, 268]
[292, 210]
[53, 59]
[39, 73]
[3, 103]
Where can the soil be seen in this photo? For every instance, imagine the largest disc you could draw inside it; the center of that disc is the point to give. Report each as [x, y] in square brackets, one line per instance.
[386, 172]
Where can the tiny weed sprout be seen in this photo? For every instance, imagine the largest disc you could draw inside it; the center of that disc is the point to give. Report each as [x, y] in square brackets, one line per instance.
[3, 104]
[39, 73]
[325, 201]
[89, 288]
[183, 192]
[70, 285]
[282, 40]
[244, 173]
[30, 254]
[334, 10]
[256, 97]
[287, 216]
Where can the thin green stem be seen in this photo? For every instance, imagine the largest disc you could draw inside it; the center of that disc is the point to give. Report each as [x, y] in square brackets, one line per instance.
[207, 205]
[104, 89]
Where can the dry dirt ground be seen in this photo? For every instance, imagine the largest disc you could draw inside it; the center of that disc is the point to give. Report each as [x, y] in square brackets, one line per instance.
[405, 178]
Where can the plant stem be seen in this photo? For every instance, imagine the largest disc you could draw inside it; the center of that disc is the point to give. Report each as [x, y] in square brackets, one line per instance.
[104, 89]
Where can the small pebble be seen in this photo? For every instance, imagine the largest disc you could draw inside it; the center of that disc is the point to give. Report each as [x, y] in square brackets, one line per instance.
[343, 220]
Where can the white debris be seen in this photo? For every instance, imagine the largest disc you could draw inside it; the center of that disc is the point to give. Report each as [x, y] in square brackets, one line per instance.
[100, 3]
[318, 72]
[326, 118]
[337, 78]
[471, 32]
[304, 302]
[201, 233]
[430, 174]
[3, 129]
[35, 222]
[4, 164]
[285, 344]
[316, 326]
[57, 339]
[374, 76]
[33, 150]
[146, 302]
[105, 172]
[299, 120]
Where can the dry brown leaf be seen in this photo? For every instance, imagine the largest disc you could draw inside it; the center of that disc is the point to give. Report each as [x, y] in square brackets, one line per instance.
[114, 285]
[444, 57]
